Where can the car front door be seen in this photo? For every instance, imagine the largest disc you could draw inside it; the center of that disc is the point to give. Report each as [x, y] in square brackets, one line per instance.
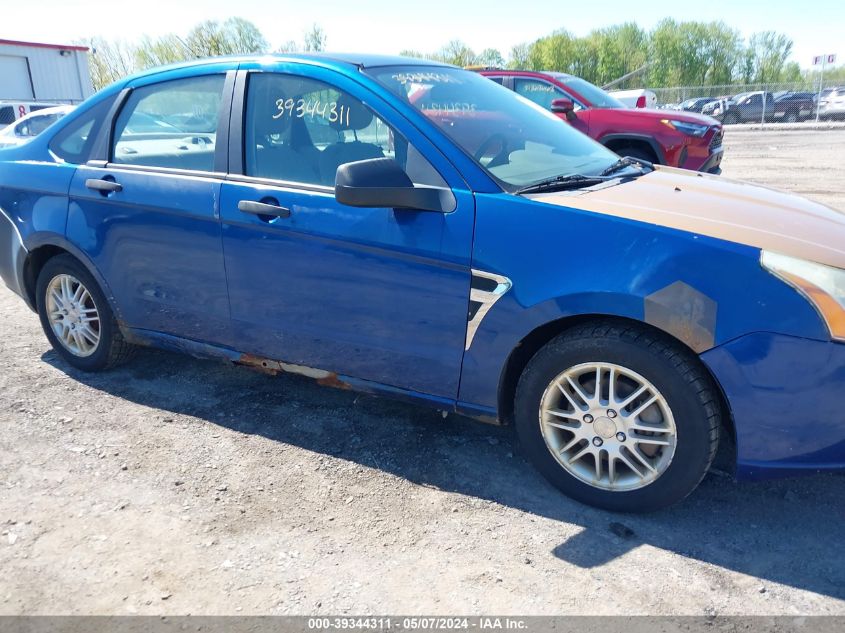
[372, 293]
[543, 93]
[145, 210]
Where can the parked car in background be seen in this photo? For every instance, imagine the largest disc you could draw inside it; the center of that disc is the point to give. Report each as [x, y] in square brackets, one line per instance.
[722, 109]
[664, 137]
[752, 107]
[411, 229]
[794, 106]
[832, 105]
[762, 106]
[635, 98]
[11, 111]
[694, 105]
[32, 125]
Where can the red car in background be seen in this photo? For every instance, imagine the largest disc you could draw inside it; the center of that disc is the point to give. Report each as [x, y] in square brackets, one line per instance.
[666, 137]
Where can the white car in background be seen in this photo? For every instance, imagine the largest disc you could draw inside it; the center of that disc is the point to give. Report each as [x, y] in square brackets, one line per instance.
[832, 105]
[640, 98]
[31, 125]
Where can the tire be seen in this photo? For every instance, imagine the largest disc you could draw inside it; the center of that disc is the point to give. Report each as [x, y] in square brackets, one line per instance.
[689, 404]
[791, 117]
[731, 118]
[78, 348]
[638, 152]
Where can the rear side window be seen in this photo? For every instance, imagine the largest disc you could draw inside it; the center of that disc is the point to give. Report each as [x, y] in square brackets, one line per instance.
[172, 124]
[7, 115]
[539, 92]
[73, 143]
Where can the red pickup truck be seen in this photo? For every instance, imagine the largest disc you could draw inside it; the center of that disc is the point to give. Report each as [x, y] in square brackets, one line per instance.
[666, 137]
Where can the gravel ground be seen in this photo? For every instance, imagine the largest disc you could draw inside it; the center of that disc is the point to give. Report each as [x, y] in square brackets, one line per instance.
[177, 486]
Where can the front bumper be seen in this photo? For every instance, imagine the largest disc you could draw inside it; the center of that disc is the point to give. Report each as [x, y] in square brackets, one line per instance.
[713, 164]
[785, 397]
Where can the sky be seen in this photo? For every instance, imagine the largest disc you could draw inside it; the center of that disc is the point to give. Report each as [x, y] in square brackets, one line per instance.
[388, 26]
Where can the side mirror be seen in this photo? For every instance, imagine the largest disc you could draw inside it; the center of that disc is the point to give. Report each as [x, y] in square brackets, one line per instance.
[564, 106]
[381, 182]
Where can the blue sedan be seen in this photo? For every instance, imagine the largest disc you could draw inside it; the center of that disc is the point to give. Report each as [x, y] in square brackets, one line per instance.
[416, 230]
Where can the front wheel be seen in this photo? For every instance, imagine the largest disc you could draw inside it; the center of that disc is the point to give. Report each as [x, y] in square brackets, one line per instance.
[618, 417]
[76, 317]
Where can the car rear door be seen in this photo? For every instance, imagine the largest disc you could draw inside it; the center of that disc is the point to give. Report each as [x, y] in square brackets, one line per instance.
[376, 294]
[146, 208]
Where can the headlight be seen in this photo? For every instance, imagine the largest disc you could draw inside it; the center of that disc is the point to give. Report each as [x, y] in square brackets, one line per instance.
[692, 129]
[823, 286]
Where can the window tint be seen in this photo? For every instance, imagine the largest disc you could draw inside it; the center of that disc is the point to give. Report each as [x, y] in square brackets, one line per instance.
[171, 124]
[300, 130]
[73, 143]
[498, 80]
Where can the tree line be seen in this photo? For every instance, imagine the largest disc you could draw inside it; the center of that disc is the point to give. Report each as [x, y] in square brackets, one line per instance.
[672, 54]
[112, 59]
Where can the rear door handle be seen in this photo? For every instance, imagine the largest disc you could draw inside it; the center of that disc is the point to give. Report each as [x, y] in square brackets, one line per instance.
[263, 208]
[107, 186]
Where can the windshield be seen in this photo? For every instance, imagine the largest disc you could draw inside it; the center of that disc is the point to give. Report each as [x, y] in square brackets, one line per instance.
[597, 97]
[513, 139]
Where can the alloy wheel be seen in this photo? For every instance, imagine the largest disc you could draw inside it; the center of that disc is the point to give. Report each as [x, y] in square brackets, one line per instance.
[608, 426]
[73, 315]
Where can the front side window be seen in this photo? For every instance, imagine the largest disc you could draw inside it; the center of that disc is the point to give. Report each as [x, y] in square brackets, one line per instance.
[300, 130]
[597, 97]
[513, 139]
[540, 92]
[172, 124]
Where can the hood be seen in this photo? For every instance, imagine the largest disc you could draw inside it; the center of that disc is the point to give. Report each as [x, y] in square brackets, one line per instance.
[657, 115]
[721, 208]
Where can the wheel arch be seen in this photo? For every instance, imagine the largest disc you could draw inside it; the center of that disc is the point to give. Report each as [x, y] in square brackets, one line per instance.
[619, 141]
[531, 343]
[43, 248]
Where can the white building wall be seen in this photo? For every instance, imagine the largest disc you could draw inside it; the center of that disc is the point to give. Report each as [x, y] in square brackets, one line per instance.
[55, 76]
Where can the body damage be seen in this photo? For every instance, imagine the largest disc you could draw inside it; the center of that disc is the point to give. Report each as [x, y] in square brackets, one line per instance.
[665, 249]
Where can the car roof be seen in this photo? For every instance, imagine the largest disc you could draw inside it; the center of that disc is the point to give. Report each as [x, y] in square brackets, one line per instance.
[332, 59]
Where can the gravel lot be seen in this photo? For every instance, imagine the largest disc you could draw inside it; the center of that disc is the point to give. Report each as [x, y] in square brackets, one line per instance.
[182, 486]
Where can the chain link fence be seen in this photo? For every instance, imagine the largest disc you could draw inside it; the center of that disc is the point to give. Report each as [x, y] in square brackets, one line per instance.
[788, 102]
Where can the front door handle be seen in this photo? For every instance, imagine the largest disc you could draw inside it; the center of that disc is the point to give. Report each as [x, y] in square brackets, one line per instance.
[268, 209]
[106, 186]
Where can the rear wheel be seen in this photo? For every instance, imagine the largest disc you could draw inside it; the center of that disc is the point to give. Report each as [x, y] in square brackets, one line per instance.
[791, 117]
[618, 417]
[76, 317]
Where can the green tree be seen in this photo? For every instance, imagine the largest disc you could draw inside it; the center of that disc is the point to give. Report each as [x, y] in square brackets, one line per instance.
[109, 60]
[315, 39]
[167, 49]
[519, 57]
[288, 47]
[767, 56]
[491, 57]
[457, 53]
[235, 36]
